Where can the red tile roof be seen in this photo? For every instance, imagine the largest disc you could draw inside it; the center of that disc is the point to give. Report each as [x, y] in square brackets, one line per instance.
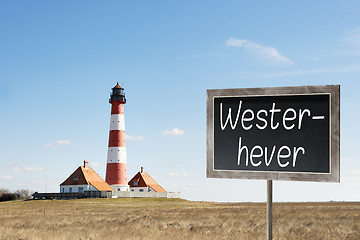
[85, 176]
[117, 85]
[143, 179]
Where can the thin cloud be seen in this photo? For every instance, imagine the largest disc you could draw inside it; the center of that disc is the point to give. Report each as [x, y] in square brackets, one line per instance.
[58, 142]
[355, 180]
[268, 53]
[173, 174]
[6, 178]
[350, 53]
[27, 169]
[134, 138]
[49, 145]
[352, 37]
[64, 142]
[174, 132]
[94, 164]
[355, 172]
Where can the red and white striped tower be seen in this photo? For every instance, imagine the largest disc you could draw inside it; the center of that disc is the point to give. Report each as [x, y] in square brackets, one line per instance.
[116, 168]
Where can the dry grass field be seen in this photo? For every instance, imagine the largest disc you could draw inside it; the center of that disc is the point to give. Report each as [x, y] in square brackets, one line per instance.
[175, 219]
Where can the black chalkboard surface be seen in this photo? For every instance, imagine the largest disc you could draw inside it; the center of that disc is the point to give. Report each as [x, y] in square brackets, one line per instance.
[272, 133]
[281, 133]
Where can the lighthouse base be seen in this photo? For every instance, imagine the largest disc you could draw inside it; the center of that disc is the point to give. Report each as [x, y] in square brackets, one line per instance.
[120, 187]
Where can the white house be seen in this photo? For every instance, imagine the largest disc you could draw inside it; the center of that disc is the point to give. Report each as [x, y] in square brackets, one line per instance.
[84, 179]
[143, 182]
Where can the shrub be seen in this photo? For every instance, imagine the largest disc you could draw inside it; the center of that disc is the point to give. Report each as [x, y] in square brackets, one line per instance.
[3, 191]
[23, 193]
[5, 194]
[8, 197]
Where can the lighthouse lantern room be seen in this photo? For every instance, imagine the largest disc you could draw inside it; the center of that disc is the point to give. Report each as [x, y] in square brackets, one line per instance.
[116, 168]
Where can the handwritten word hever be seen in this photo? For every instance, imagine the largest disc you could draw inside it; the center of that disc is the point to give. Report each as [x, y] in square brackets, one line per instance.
[284, 155]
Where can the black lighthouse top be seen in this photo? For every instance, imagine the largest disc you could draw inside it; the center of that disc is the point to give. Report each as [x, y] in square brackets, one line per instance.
[117, 94]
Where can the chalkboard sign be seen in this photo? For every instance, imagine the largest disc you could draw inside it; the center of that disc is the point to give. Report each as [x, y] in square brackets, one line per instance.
[289, 133]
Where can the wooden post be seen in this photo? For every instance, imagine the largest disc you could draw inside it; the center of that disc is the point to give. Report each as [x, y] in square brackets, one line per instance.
[269, 209]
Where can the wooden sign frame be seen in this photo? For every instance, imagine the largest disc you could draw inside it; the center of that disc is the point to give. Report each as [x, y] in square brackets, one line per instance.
[334, 133]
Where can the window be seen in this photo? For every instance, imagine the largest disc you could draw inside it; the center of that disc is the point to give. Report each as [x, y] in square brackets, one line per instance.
[141, 190]
[70, 189]
[135, 183]
[81, 190]
[75, 179]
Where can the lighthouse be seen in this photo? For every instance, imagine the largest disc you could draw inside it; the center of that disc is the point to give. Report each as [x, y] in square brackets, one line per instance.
[116, 167]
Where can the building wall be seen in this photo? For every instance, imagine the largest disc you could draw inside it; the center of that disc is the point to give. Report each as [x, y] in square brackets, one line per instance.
[120, 187]
[141, 189]
[122, 194]
[75, 188]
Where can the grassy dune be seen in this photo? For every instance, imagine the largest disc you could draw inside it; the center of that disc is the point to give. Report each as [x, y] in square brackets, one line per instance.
[175, 219]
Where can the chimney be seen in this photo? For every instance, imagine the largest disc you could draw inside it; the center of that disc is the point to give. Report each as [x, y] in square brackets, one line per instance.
[142, 170]
[86, 164]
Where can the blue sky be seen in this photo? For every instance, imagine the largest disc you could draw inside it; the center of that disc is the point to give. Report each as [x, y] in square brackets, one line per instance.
[60, 59]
